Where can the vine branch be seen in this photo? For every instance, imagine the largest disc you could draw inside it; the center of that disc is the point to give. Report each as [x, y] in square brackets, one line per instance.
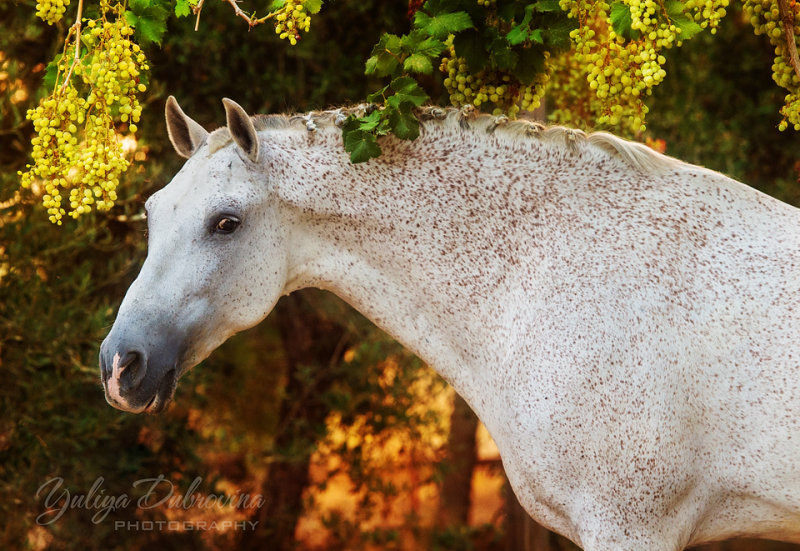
[76, 28]
[252, 22]
[197, 9]
[787, 20]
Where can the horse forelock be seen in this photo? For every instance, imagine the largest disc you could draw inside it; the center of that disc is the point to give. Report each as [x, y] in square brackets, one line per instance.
[435, 120]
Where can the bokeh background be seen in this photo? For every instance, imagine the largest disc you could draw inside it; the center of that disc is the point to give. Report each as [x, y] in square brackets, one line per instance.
[353, 443]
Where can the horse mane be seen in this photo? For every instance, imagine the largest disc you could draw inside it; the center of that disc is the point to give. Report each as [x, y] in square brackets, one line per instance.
[635, 155]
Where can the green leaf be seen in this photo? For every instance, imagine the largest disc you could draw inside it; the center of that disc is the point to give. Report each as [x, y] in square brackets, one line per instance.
[674, 7]
[407, 90]
[410, 41]
[149, 30]
[391, 42]
[384, 59]
[381, 65]
[530, 64]
[687, 26]
[517, 35]
[528, 15]
[404, 124]
[148, 18]
[683, 22]
[138, 6]
[621, 19]
[378, 97]
[418, 63]
[370, 122]
[545, 6]
[504, 57]
[361, 145]
[312, 6]
[557, 33]
[431, 47]
[276, 5]
[182, 8]
[51, 72]
[471, 46]
[520, 33]
[439, 26]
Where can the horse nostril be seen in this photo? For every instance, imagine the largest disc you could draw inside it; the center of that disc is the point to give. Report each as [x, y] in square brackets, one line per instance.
[129, 369]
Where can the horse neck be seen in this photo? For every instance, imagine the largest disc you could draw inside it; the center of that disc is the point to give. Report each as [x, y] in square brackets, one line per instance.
[450, 242]
[411, 240]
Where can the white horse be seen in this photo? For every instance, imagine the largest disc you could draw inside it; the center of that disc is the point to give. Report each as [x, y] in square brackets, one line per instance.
[626, 325]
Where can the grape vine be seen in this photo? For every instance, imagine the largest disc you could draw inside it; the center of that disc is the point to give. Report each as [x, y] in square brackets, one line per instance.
[290, 17]
[597, 62]
[501, 56]
[495, 55]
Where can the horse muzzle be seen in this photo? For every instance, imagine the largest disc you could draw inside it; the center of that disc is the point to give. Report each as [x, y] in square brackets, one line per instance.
[135, 380]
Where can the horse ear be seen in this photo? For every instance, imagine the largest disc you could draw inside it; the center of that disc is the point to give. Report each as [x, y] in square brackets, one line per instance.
[185, 134]
[241, 128]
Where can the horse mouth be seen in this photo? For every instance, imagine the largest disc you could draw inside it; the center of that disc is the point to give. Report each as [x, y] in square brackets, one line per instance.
[163, 395]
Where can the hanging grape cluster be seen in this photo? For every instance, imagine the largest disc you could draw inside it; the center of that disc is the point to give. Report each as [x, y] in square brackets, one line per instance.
[571, 102]
[77, 149]
[707, 13]
[766, 18]
[291, 19]
[51, 11]
[620, 46]
[498, 90]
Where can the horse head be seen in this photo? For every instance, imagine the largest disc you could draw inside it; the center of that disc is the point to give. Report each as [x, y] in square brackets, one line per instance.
[216, 262]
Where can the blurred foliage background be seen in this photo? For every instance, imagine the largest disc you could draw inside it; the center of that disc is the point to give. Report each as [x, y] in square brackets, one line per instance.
[353, 443]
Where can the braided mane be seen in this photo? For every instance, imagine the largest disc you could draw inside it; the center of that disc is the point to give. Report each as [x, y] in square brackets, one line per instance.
[433, 119]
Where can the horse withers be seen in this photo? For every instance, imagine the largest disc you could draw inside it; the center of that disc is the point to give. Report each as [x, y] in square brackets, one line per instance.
[626, 325]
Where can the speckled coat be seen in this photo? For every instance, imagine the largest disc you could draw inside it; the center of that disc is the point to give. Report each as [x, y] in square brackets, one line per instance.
[627, 326]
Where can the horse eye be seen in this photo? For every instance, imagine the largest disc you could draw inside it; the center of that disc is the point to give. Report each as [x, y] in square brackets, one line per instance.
[226, 224]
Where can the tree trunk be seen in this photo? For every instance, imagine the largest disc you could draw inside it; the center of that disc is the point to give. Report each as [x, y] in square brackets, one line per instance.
[454, 500]
[313, 345]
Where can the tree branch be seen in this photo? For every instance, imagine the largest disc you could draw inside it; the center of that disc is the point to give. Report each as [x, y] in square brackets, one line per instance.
[787, 20]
